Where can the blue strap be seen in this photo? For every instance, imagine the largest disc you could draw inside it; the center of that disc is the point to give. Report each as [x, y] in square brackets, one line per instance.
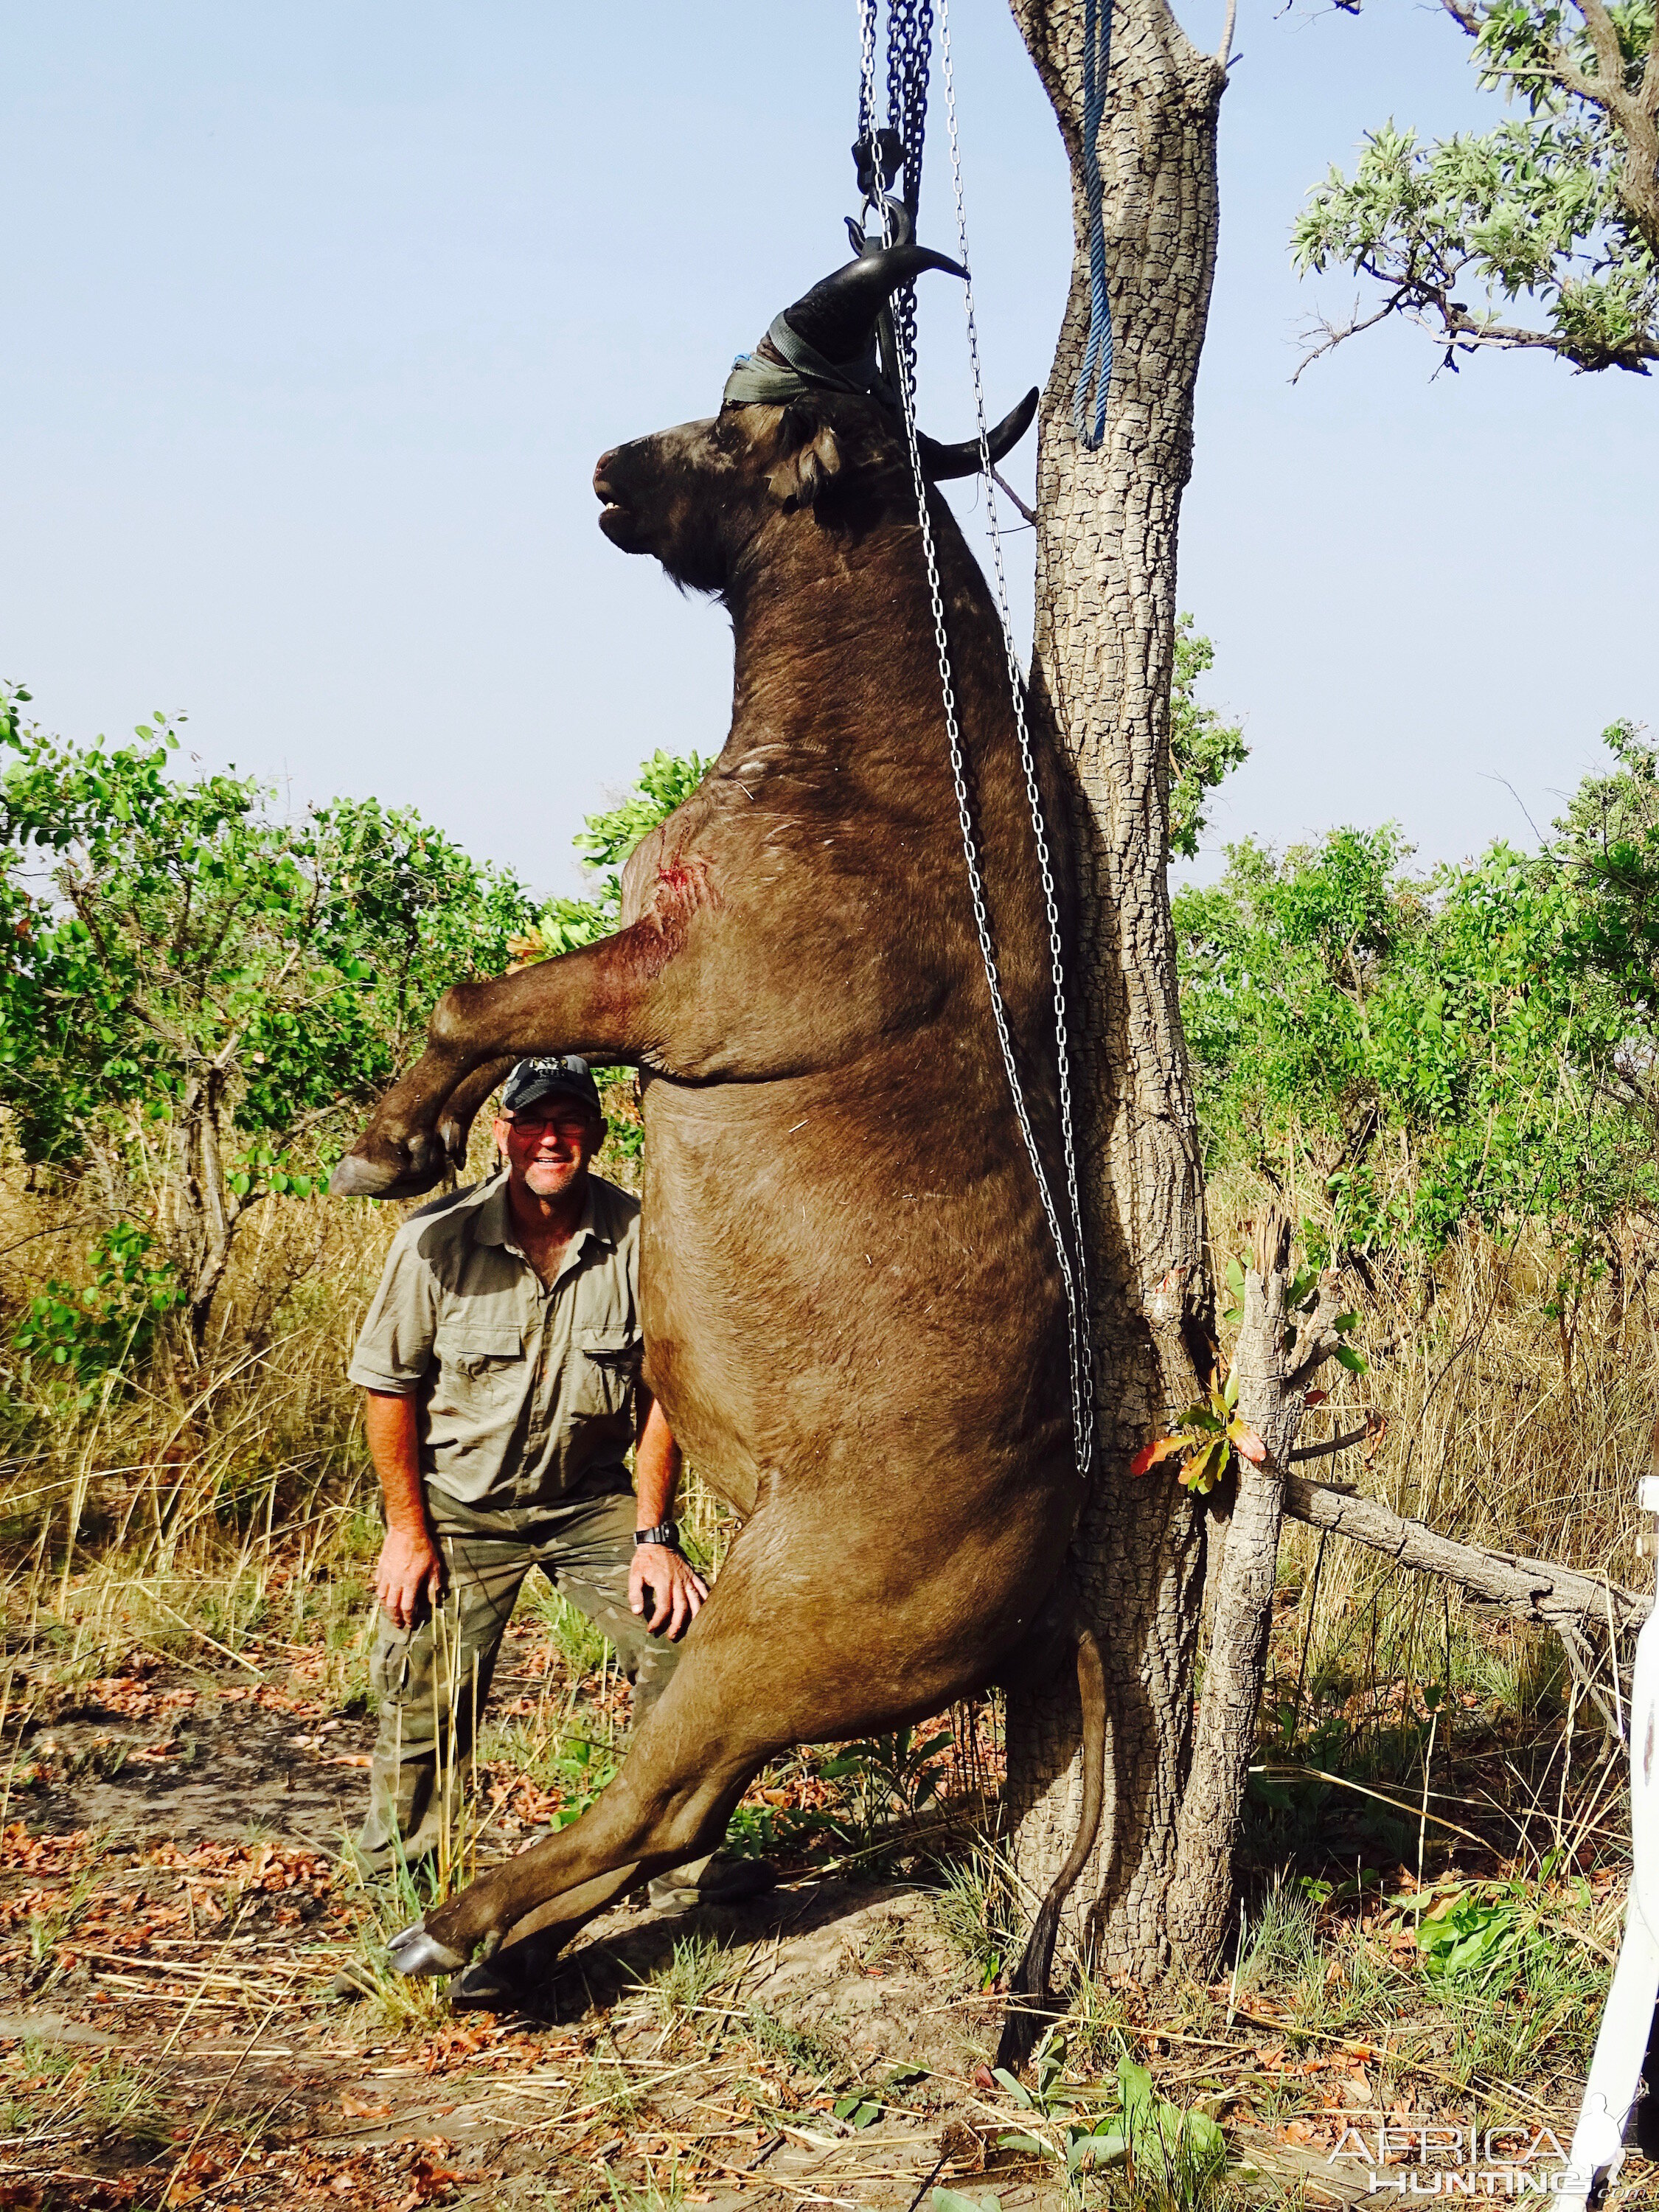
[1097, 353]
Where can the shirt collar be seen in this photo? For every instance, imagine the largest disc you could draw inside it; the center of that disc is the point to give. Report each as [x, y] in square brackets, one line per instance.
[493, 1224]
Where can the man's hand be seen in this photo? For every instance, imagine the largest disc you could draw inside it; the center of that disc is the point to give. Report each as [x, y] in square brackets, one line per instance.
[410, 1576]
[676, 1590]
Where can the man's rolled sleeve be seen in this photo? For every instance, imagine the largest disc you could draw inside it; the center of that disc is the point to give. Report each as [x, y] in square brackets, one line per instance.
[394, 1350]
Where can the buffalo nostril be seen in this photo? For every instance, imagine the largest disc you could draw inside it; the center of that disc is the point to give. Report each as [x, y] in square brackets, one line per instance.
[599, 468]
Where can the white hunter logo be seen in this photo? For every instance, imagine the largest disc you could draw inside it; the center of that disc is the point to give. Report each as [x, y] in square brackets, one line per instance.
[1460, 2161]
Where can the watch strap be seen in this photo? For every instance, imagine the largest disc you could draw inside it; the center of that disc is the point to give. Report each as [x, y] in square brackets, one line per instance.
[666, 1533]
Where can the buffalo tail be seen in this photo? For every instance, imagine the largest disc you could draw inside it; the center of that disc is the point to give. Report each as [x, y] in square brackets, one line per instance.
[1030, 1999]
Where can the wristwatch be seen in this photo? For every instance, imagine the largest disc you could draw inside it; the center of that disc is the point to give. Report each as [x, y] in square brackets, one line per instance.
[666, 1533]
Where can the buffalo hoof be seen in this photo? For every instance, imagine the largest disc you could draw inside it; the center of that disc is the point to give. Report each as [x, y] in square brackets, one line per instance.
[424, 1162]
[413, 1951]
[509, 1977]
[486, 1988]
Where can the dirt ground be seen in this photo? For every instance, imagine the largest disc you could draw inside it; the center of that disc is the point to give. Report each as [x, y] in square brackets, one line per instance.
[173, 1911]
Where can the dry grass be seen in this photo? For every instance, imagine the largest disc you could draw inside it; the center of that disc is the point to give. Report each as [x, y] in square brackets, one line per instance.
[1510, 1408]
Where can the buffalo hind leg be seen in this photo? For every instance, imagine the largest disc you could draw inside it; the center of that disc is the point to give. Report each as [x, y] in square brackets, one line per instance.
[708, 1734]
[523, 1911]
[748, 1685]
[592, 1001]
[1030, 2001]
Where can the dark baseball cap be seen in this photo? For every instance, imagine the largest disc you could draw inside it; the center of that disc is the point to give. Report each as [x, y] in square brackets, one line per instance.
[560, 1076]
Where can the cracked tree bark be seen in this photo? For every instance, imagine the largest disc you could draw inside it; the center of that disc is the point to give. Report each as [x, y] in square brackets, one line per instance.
[1101, 669]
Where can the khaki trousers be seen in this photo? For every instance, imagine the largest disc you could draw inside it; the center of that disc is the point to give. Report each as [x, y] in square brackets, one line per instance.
[432, 1681]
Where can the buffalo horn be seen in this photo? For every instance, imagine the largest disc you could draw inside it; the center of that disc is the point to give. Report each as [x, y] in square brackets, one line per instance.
[836, 317]
[962, 459]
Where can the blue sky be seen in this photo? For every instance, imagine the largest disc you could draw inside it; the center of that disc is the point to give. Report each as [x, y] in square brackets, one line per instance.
[319, 316]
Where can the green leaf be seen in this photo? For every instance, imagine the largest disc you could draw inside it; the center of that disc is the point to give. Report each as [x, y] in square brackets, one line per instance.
[1101, 2147]
[1015, 2088]
[857, 2109]
[849, 1762]
[1346, 1356]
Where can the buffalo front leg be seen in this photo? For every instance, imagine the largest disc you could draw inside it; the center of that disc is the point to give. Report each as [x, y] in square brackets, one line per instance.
[595, 1001]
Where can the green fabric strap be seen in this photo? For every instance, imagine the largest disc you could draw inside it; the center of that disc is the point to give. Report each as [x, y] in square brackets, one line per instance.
[754, 382]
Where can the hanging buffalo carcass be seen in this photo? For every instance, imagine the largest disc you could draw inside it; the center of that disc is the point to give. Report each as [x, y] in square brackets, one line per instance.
[853, 1315]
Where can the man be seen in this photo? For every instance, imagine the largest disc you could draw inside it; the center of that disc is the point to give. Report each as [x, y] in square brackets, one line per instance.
[500, 1367]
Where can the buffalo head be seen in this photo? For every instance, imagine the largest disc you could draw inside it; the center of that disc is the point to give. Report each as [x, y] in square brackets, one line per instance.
[808, 422]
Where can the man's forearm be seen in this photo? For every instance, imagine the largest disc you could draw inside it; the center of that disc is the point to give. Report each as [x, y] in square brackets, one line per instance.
[663, 1587]
[656, 1465]
[392, 1426]
[409, 1576]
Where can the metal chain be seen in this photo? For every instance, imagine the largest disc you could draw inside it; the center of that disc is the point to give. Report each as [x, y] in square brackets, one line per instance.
[1074, 1279]
[867, 70]
[910, 50]
[1080, 1308]
[1082, 1395]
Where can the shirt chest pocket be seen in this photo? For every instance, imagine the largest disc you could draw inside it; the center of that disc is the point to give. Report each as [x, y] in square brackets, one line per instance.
[604, 1363]
[482, 1364]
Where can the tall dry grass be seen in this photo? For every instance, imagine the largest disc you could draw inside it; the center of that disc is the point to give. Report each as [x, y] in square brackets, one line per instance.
[1517, 1409]
[1512, 1404]
[215, 1497]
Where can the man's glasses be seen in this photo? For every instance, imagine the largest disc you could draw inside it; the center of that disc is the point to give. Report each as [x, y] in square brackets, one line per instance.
[562, 1125]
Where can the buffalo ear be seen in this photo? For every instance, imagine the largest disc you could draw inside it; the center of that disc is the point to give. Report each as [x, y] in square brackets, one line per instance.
[811, 459]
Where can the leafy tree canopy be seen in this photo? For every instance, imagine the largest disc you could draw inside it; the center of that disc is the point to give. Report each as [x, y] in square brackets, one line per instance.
[604, 843]
[1403, 1055]
[197, 994]
[1555, 212]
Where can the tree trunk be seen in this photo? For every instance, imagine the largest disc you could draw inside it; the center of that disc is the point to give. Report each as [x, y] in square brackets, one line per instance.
[1101, 672]
[1278, 1353]
[199, 1211]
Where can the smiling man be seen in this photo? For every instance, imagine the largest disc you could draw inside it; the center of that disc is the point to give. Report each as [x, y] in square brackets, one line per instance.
[499, 1366]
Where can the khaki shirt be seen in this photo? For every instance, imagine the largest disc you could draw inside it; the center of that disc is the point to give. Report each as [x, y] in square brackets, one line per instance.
[525, 1389]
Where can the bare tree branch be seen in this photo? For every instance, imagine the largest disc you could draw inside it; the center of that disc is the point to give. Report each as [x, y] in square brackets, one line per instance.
[1332, 1445]
[1533, 1590]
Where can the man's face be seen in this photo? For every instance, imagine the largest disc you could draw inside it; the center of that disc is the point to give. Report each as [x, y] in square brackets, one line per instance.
[548, 1144]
